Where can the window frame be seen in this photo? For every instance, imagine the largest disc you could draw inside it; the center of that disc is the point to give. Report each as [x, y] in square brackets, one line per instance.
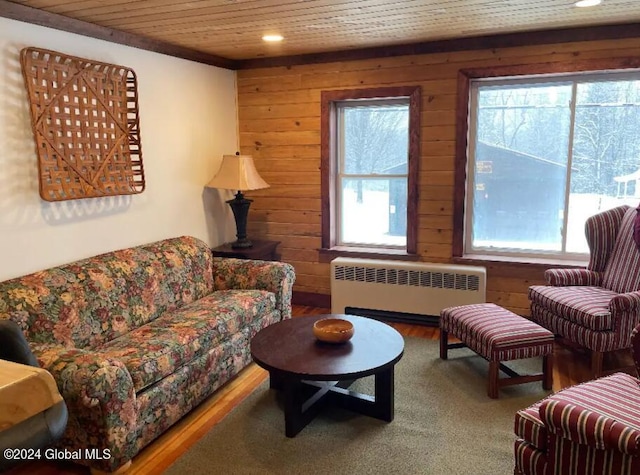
[328, 168]
[463, 130]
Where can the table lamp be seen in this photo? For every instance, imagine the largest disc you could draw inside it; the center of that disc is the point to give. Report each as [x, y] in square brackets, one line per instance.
[238, 172]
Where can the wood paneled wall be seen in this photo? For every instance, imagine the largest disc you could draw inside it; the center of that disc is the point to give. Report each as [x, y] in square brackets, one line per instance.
[279, 120]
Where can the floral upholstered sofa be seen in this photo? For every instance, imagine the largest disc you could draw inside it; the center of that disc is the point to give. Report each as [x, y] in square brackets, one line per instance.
[136, 338]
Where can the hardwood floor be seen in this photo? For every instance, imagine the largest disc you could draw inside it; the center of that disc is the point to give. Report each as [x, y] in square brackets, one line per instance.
[570, 368]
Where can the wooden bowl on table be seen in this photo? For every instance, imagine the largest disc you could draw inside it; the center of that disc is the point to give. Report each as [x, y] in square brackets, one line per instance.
[333, 330]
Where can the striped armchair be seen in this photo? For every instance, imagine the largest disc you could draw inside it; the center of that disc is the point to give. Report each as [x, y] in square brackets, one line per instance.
[592, 428]
[595, 308]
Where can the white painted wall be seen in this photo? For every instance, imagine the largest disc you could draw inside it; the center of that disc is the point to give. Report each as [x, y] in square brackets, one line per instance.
[188, 121]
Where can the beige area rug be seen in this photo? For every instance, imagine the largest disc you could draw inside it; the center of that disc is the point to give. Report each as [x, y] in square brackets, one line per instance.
[444, 425]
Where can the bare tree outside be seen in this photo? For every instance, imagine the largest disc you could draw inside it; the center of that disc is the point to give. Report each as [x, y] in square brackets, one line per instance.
[531, 136]
[375, 141]
[373, 171]
[606, 143]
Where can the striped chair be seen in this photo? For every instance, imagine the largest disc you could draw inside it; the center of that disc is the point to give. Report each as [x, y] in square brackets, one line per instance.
[595, 308]
[592, 428]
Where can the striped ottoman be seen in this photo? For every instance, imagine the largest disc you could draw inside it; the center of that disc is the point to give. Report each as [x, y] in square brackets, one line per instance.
[498, 335]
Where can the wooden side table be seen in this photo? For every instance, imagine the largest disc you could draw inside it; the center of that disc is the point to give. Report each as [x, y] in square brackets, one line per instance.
[24, 392]
[262, 250]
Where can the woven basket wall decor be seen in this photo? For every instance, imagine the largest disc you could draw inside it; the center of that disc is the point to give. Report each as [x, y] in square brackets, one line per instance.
[86, 126]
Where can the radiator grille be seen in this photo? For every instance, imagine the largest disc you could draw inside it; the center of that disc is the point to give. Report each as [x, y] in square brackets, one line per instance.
[419, 289]
[381, 275]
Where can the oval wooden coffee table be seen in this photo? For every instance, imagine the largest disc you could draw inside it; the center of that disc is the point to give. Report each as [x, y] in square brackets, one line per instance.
[313, 374]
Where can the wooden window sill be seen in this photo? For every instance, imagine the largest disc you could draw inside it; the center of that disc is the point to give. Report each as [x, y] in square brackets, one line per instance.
[539, 262]
[327, 255]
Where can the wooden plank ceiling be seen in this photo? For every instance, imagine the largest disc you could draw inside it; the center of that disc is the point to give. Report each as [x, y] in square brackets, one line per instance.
[233, 28]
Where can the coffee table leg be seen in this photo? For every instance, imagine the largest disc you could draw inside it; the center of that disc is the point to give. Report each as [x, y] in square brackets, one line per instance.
[292, 406]
[275, 380]
[384, 391]
[379, 406]
[302, 403]
[303, 400]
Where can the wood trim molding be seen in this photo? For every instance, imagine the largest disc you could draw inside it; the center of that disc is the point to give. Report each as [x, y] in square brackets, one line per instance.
[327, 167]
[583, 65]
[460, 170]
[462, 117]
[328, 159]
[528, 38]
[35, 16]
[327, 255]
[413, 189]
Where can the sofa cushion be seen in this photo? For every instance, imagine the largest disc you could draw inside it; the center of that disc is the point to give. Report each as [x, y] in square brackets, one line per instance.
[585, 306]
[164, 345]
[616, 396]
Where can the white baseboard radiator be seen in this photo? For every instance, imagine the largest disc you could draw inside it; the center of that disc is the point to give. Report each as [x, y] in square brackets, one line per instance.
[412, 292]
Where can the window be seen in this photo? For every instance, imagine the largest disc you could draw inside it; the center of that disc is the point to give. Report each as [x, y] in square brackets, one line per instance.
[370, 148]
[545, 152]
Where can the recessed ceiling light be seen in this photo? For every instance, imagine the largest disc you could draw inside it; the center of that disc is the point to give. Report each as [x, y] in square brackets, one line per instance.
[273, 38]
[588, 3]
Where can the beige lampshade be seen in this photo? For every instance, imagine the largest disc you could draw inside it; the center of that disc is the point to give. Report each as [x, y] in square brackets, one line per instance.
[237, 172]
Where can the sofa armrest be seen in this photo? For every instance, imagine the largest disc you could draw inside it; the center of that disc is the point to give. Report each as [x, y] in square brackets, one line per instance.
[566, 277]
[582, 426]
[101, 399]
[85, 377]
[627, 302]
[277, 277]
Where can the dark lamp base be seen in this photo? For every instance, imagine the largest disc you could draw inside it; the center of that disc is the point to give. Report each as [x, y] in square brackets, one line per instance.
[240, 207]
[241, 244]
